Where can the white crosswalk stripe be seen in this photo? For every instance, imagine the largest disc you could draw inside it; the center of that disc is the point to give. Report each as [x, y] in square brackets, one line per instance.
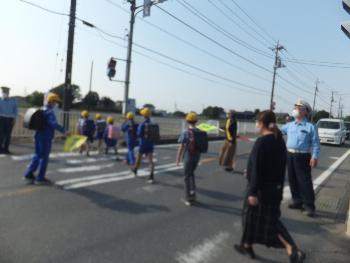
[112, 177]
[85, 168]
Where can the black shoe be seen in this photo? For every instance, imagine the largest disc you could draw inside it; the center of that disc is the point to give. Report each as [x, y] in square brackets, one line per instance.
[134, 171]
[229, 169]
[297, 256]
[43, 182]
[310, 212]
[7, 152]
[295, 206]
[245, 251]
[29, 179]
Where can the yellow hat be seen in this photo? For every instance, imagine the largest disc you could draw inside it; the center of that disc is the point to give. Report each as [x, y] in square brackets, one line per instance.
[146, 112]
[110, 120]
[98, 116]
[191, 117]
[84, 114]
[130, 115]
[52, 97]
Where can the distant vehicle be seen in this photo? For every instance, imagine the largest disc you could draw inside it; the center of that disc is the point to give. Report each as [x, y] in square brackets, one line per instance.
[347, 127]
[332, 131]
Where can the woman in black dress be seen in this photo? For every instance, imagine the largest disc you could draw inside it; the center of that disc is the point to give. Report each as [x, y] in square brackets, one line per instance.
[266, 173]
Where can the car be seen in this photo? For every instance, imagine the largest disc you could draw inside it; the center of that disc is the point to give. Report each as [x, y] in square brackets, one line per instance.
[347, 127]
[332, 131]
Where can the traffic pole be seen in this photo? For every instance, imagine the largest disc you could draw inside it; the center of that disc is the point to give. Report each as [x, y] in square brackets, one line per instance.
[69, 64]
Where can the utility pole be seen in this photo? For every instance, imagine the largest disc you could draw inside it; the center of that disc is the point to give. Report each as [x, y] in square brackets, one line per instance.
[278, 64]
[91, 72]
[129, 53]
[332, 100]
[69, 64]
[314, 104]
[339, 107]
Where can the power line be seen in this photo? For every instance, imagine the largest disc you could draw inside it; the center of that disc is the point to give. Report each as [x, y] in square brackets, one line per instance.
[220, 29]
[213, 40]
[235, 23]
[196, 47]
[243, 21]
[254, 22]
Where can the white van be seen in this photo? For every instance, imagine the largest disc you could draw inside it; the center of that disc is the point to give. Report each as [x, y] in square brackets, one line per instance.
[332, 131]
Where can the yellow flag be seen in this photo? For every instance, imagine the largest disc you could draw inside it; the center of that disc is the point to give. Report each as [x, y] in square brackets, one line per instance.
[207, 127]
[74, 142]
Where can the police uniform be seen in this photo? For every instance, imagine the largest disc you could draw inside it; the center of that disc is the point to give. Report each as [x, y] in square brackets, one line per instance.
[8, 115]
[43, 143]
[303, 144]
[127, 128]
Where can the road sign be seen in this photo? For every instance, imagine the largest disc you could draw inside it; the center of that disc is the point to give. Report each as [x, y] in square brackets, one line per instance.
[346, 28]
[147, 8]
[346, 5]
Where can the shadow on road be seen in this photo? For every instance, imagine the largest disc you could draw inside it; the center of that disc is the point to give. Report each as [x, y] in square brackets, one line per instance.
[119, 205]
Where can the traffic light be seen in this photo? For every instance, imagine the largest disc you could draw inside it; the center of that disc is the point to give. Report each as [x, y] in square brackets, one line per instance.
[346, 25]
[111, 71]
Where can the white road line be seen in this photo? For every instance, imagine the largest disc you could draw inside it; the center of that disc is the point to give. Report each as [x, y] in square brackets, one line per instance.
[167, 158]
[2, 155]
[142, 173]
[320, 179]
[102, 176]
[91, 160]
[204, 252]
[334, 157]
[85, 168]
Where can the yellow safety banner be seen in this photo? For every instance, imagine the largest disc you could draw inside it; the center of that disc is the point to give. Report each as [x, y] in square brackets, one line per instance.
[207, 127]
[74, 142]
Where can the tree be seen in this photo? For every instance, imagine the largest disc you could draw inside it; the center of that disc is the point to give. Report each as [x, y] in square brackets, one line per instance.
[35, 99]
[213, 112]
[256, 112]
[321, 115]
[179, 114]
[107, 104]
[73, 93]
[91, 100]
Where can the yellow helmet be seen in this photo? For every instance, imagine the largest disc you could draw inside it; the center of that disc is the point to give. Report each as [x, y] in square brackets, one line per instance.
[130, 115]
[52, 97]
[98, 116]
[146, 112]
[84, 114]
[110, 120]
[191, 117]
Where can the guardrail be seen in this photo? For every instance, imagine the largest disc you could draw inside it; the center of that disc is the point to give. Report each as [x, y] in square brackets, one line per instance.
[168, 126]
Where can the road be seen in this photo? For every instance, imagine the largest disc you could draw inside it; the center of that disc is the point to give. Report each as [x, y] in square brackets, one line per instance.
[97, 211]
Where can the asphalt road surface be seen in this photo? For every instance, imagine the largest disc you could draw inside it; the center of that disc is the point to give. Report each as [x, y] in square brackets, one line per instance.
[98, 212]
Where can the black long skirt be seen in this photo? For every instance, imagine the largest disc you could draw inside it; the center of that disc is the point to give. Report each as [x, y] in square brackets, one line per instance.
[262, 225]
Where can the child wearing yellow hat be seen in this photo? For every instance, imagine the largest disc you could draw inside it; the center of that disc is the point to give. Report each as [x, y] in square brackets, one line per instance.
[111, 136]
[101, 125]
[129, 128]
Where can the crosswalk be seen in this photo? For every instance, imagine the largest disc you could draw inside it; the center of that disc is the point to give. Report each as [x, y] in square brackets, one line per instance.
[79, 171]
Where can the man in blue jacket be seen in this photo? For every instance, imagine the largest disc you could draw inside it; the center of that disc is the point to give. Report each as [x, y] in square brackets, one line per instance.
[8, 115]
[43, 143]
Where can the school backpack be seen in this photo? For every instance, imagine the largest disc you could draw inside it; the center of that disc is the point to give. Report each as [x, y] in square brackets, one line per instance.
[152, 132]
[101, 126]
[197, 141]
[89, 127]
[133, 130]
[113, 132]
[34, 119]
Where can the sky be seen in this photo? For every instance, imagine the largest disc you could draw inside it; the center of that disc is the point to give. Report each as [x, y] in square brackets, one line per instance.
[222, 72]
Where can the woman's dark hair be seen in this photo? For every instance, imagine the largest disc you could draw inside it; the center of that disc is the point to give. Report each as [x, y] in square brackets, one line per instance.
[268, 120]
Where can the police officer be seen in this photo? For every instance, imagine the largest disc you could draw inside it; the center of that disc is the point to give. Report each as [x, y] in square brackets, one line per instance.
[129, 127]
[43, 142]
[303, 152]
[8, 115]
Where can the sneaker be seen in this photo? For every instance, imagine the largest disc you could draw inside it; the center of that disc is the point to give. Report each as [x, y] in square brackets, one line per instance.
[227, 169]
[151, 181]
[43, 182]
[29, 179]
[245, 251]
[295, 206]
[297, 256]
[187, 203]
[134, 171]
[309, 212]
